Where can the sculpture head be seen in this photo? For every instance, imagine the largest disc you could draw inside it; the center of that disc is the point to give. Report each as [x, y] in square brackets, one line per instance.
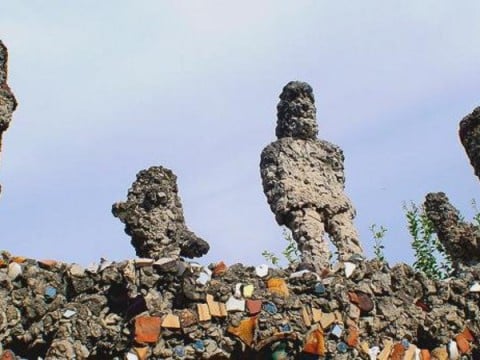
[296, 112]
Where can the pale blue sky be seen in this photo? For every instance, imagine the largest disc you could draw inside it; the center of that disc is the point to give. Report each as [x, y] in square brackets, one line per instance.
[107, 88]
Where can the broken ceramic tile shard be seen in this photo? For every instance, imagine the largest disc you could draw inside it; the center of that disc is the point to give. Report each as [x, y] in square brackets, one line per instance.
[234, 304]
[261, 270]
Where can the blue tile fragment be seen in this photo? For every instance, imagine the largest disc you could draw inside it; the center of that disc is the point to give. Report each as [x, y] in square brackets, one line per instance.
[50, 293]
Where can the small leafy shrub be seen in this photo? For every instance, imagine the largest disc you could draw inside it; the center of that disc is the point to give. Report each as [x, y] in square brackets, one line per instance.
[378, 234]
[430, 255]
[290, 253]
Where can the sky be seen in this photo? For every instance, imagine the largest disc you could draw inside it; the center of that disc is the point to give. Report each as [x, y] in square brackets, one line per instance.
[108, 88]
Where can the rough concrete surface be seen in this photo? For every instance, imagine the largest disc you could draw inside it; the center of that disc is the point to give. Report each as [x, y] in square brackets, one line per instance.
[160, 306]
[304, 182]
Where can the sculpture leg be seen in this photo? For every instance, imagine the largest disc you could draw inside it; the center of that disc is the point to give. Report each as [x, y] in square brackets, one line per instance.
[343, 235]
[308, 230]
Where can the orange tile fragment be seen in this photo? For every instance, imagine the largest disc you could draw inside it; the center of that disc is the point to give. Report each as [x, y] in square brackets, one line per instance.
[245, 330]
[462, 343]
[19, 259]
[425, 354]
[353, 297]
[147, 329]
[3, 263]
[468, 334]
[8, 355]
[315, 343]
[398, 352]
[278, 286]
[219, 269]
[352, 337]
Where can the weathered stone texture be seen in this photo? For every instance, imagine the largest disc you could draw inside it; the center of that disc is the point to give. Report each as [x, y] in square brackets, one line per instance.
[153, 217]
[8, 103]
[304, 182]
[470, 137]
[461, 240]
[173, 309]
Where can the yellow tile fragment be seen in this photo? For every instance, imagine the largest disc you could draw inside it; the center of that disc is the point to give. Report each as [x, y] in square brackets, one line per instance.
[387, 349]
[327, 319]
[248, 291]
[410, 353]
[203, 312]
[439, 354]
[316, 314]
[364, 347]
[171, 321]
[217, 309]
[338, 316]
[142, 352]
[306, 317]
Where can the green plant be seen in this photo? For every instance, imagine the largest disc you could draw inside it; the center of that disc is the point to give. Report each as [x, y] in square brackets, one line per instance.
[476, 216]
[290, 253]
[378, 234]
[430, 255]
[271, 258]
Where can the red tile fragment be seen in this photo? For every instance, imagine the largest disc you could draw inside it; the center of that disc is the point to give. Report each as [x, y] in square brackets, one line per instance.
[422, 305]
[254, 306]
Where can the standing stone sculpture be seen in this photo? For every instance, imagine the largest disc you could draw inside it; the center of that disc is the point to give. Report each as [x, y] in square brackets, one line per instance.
[153, 217]
[8, 103]
[303, 181]
[470, 137]
[460, 239]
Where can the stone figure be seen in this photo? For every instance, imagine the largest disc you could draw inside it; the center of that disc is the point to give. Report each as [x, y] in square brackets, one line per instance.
[153, 217]
[8, 103]
[303, 181]
[460, 239]
[470, 137]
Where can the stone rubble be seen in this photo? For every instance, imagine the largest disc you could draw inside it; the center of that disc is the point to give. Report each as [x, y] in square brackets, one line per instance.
[52, 310]
[160, 306]
[304, 182]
